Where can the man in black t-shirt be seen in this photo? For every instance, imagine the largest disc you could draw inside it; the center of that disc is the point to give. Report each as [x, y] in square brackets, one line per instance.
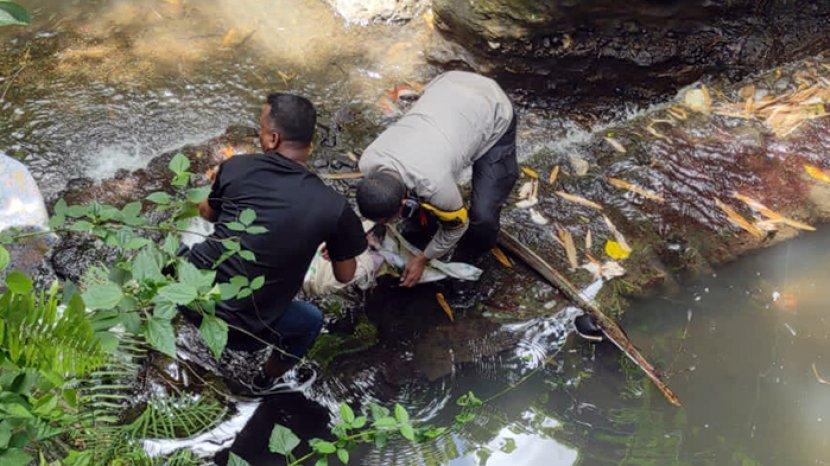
[299, 212]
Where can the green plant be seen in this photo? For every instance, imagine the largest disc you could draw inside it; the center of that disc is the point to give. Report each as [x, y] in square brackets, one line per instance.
[12, 13]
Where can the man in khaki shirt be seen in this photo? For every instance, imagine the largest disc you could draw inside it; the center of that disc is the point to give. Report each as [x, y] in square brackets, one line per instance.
[413, 168]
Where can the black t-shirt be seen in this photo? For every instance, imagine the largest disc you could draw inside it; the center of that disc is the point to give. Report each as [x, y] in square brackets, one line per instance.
[299, 211]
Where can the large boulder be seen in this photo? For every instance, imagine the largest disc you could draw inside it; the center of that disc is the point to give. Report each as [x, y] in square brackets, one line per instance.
[639, 49]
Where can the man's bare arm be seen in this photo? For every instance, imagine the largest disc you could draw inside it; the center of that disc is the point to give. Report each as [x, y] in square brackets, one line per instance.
[344, 270]
[207, 212]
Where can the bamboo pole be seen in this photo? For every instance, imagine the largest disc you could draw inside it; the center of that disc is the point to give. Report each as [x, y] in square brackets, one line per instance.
[611, 329]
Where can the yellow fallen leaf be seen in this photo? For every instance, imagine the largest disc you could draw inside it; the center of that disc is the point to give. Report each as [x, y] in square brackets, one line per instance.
[230, 37]
[616, 145]
[656, 133]
[553, 175]
[616, 251]
[578, 200]
[617, 235]
[530, 172]
[501, 257]
[567, 241]
[646, 193]
[773, 216]
[817, 173]
[738, 220]
[445, 306]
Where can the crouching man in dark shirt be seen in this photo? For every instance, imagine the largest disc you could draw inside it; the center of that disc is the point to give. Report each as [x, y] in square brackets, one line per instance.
[299, 212]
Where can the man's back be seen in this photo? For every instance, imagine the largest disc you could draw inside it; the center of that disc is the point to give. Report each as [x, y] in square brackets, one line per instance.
[299, 211]
[457, 119]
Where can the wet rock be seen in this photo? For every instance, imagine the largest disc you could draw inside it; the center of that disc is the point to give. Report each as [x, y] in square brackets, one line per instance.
[365, 12]
[638, 50]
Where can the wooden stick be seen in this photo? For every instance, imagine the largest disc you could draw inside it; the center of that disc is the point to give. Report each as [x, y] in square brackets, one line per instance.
[611, 329]
[341, 176]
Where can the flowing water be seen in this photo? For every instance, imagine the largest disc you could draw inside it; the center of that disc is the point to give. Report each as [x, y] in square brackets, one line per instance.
[94, 87]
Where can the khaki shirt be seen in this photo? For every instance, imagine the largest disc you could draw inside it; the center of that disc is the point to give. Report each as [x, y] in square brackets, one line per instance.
[459, 117]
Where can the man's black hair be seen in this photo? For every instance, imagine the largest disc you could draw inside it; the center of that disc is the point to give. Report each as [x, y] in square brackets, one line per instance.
[292, 116]
[379, 196]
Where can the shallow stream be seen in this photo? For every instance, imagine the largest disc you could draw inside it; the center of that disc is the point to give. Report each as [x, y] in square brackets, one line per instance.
[109, 85]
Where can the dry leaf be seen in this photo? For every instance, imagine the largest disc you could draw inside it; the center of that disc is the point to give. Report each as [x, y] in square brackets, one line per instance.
[738, 220]
[526, 190]
[578, 200]
[747, 92]
[570, 248]
[445, 306]
[589, 241]
[646, 193]
[527, 203]
[341, 176]
[607, 271]
[616, 250]
[501, 257]
[538, 218]
[553, 175]
[617, 235]
[770, 214]
[656, 133]
[817, 173]
[698, 100]
[530, 172]
[616, 145]
[678, 113]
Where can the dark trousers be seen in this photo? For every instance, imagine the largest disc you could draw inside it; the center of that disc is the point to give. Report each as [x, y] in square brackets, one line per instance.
[494, 175]
[294, 332]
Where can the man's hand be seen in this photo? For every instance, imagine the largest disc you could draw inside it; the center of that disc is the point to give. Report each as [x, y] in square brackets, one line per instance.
[413, 271]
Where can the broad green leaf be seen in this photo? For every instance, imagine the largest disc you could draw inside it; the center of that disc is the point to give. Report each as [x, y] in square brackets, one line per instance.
[197, 195]
[60, 207]
[231, 245]
[15, 457]
[386, 422]
[282, 441]
[179, 164]
[400, 413]
[57, 221]
[5, 433]
[235, 226]
[189, 274]
[346, 413]
[102, 295]
[179, 293]
[82, 226]
[159, 197]
[5, 258]
[257, 282]
[145, 266]
[256, 230]
[18, 282]
[170, 244]
[234, 460]
[180, 180]
[228, 291]
[359, 422]
[131, 211]
[244, 293]
[14, 410]
[12, 14]
[322, 461]
[247, 255]
[343, 455]
[239, 280]
[214, 332]
[76, 211]
[247, 216]
[408, 432]
[165, 310]
[323, 447]
[160, 336]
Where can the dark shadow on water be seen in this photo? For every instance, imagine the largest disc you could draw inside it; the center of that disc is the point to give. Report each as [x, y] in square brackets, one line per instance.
[306, 418]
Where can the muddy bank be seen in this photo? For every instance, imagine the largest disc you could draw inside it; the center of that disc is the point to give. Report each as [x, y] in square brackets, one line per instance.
[638, 50]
